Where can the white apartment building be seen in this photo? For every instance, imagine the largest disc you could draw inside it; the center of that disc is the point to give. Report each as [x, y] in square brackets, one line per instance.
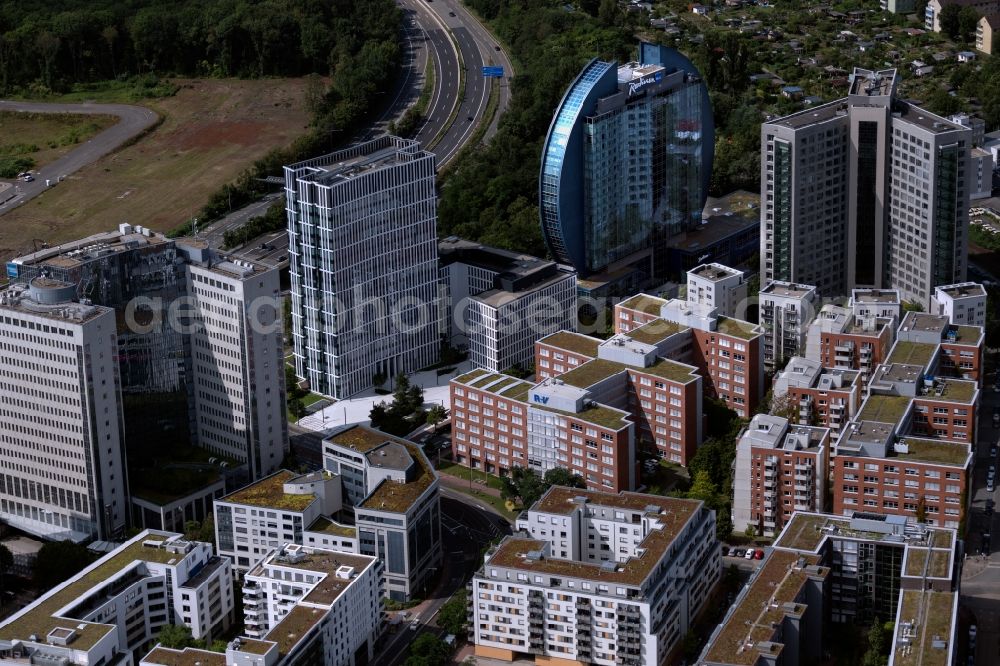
[257, 519]
[121, 602]
[377, 495]
[876, 303]
[596, 578]
[237, 361]
[300, 605]
[498, 303]
[786, 310]
[893, 208]
[719, 287]
[363, 260]
[62, 453]
[964, 304]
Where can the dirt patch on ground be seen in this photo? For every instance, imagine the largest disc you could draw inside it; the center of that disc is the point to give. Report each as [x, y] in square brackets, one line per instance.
[45, 137]
[212, 130]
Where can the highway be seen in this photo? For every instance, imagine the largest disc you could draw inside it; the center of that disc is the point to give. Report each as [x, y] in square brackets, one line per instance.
[132, 121]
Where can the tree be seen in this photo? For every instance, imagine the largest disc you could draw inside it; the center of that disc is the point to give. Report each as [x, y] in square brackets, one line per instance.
[452, 616]
[703, 489]
[379, 379]
[292, 383]
[950, 21]
[522, 484]
[912, 306]
[176, 637]
[58, 561]
[435, 415]
[297, 408]
[785, 407]
[878, 652]
[968, 20]
[428, 650]
[560, 476]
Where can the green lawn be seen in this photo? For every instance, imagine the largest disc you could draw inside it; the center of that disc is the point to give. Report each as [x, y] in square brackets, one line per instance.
[462, 472]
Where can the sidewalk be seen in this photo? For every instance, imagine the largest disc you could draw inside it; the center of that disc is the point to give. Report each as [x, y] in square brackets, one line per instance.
[462, 485]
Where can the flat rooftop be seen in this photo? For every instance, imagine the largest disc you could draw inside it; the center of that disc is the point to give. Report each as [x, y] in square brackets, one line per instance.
[591, 372]
[390, 455]
[644, 303]
[873, 83]
[884, 408]
[186, 657]
[269, 493]
[933, 617]
[813, 115]
[714, 272]
[755, 620]
[672, 514]
[963, 290]
[599, 415]
[788, 289]
[923, 321]
[40, 618]
[342, 166]
[912, 353]
[656, 331]
[496, 383]
[738, 328]
[578, 343]
[17, 299]
[952, 390]
[326, 526]
[389, 495]
[321, 561]
[93, 247]
[875, 296]
[968, 335]
[806, 531]
[925, 120]
[933, 451]
[671, 370]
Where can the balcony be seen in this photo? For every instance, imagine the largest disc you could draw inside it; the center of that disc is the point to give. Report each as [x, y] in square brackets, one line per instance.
[799, 476]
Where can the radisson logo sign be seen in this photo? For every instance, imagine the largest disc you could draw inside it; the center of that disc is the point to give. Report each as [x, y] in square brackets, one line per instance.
[642, 82]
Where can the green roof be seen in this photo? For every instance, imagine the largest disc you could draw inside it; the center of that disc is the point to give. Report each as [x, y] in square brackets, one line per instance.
[917, 557]
[672, 370]
[644, 303]
[934, 451]
[606, 417]
[517, 391]
[967, 334]
[269, 493]
[912, 353]
[39, 618]
[591, 372]
[803, 532]
[573, 342]
[327, 526]
[655, 331]
[954, 390]
[469, 376]
[884, 408]
[936, 611]
[737, 328]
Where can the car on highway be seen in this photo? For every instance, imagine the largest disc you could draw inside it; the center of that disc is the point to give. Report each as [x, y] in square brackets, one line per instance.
[496, 48]
[415, 624]
[451, 13]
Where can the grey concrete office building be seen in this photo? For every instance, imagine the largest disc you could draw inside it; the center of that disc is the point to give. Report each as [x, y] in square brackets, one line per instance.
[866, 191]
[362, 249]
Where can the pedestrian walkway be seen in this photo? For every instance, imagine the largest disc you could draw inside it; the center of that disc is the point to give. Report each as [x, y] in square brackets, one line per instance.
[460, 484]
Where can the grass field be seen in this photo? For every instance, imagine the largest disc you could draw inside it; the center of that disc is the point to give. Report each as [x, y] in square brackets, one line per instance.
[44, 137]
[212, 130]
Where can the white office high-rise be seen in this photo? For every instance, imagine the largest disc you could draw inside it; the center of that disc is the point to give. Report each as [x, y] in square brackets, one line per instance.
[363, 262]
[62, 457]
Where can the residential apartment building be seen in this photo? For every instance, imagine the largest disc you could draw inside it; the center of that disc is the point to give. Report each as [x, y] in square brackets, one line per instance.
[963, 304]
[195, 328]
[727, 352]
[785, 311]
[959, 347]
[62, 459]
[898, 6]
[986, 28]
[237, 360]
[825, 397]
[300, 605]
[499, 422]
[377, 495]
[719, 287]
[620, 174]
[932, 13]
[826, 570]
[877, 303]
[981, 174]
[499, 302]
[596, 578]
[780, 468]
[893, 211]
[363, 261]
[837, 339]
[120, 603]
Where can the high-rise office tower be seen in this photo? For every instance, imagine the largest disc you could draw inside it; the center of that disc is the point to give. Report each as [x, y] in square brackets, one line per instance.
[625, 166]
[363, 260]
[218, 356]
[866, 191]
[62, 457]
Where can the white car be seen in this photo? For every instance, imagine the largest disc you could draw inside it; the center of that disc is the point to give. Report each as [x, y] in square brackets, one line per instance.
[749, 555]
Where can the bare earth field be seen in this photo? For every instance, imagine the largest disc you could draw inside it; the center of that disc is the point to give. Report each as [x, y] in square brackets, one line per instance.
[212, 130]
[52, 134]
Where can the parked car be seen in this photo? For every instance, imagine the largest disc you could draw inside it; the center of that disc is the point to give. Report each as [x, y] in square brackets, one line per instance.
[725, 550]
[972, 637]
[28, 178]
[739, 552]
[758, 554]
[749, 554]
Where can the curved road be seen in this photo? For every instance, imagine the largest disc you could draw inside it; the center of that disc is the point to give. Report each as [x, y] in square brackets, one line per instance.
[133, 120]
